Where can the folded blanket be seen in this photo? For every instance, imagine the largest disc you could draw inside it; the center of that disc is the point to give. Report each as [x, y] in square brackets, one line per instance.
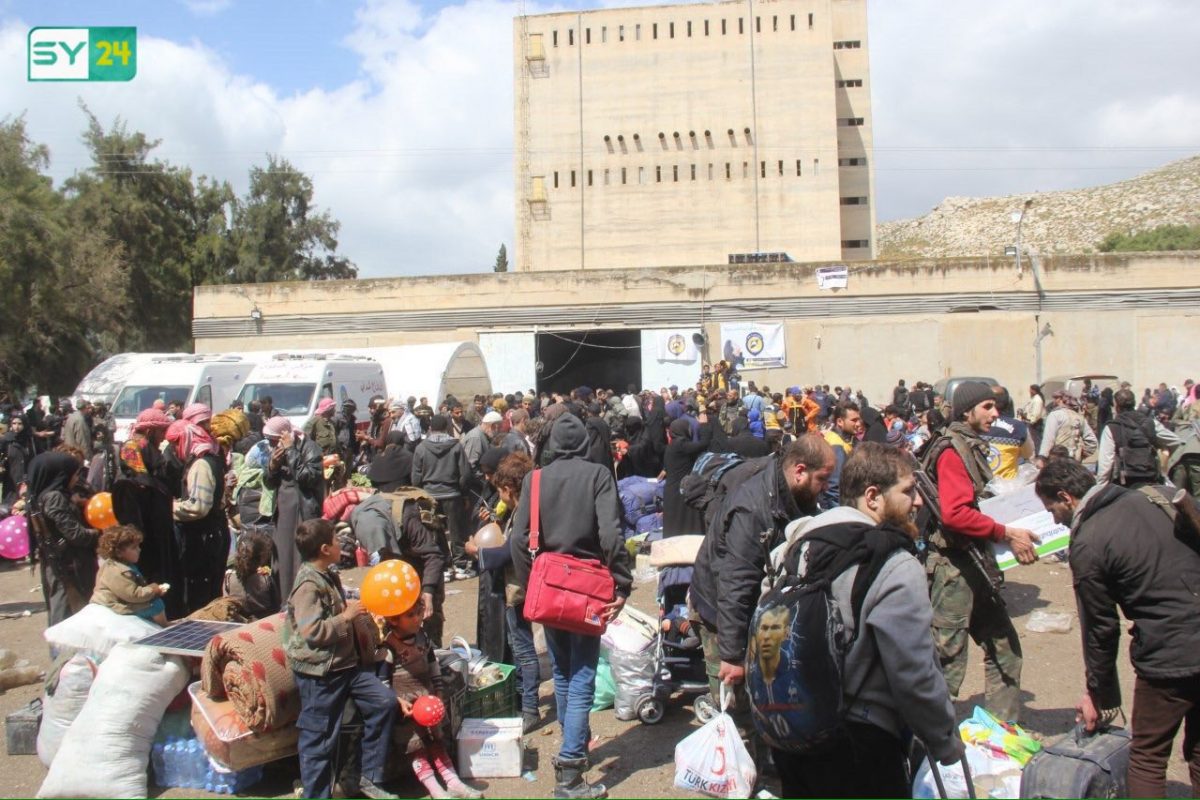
[250, 668]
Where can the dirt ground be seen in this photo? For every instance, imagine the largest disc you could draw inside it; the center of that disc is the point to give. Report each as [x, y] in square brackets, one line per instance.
[633, 760]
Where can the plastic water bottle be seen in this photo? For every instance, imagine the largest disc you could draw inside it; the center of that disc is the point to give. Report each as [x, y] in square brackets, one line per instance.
[156, 761]
[197, 764]
[166, 777]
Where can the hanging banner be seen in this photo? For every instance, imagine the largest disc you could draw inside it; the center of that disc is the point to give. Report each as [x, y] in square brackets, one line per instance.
[677, 345]
[753, 345]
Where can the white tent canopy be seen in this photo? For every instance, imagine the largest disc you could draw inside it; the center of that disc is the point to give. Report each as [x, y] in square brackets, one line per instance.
[432, 370]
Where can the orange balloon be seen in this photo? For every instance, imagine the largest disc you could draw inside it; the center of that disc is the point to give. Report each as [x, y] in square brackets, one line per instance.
[390, 588]
[99, 512]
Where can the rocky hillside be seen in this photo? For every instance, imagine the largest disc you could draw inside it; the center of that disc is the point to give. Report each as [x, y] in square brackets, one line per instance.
[1072, 221]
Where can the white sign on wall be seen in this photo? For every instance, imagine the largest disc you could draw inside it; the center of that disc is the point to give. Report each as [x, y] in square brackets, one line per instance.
[753, 345]
[677, 345]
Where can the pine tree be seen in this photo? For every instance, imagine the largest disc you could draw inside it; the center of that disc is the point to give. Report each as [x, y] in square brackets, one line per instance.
[501, 260]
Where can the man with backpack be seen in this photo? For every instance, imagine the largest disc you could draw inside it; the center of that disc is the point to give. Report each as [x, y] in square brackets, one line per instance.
[1066, 427]
[862, 556]
[964, 579]
[1129, 551]
[1129, 446]
[732, 560]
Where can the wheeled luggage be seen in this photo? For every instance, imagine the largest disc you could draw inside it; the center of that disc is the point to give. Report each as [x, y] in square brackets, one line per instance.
[1080, 764]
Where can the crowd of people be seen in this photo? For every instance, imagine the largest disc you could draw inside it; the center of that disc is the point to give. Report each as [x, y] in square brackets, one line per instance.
[833, 475]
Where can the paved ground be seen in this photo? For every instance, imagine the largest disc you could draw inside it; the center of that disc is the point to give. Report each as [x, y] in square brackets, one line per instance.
[634, 760]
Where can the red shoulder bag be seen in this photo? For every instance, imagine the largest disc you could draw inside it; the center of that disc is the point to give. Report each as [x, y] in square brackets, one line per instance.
[564, 592]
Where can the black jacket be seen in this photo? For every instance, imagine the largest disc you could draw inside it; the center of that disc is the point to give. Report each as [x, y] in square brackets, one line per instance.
[579, 509]
[747, 445]
[440, 466]
[1125, 552]
[732, 561]
[599, 442]
[301, 467]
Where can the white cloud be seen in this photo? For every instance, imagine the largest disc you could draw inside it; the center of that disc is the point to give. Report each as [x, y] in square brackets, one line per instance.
[414, 156]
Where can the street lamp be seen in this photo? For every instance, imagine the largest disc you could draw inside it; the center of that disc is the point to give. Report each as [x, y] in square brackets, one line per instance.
[1018, 217]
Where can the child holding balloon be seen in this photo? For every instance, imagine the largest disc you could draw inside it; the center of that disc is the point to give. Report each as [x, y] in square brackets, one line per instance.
[120, 585]
[412, 669]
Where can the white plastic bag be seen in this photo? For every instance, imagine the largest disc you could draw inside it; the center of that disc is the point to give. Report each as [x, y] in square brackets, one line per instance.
[992, 775]
[107, 749]
[713, 760]
[60, 709]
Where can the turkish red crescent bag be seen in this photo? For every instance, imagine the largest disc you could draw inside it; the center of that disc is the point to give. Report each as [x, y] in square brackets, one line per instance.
[564, 592]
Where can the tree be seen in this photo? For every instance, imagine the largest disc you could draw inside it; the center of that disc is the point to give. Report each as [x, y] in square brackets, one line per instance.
[277, 234]
[65, 297]
[171, 229]
[501, 260]
[1164, 237]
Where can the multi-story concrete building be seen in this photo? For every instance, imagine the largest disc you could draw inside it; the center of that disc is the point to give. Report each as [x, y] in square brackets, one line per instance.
[687, 134]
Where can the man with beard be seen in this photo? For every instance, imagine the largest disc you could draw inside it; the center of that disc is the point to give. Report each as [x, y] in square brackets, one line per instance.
[1128, 553]
[892, 679]
[842, 437]
[964, 580]
[733, 558]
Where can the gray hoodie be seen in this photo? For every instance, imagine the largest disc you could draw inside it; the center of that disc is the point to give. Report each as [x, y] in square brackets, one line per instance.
[892, 677]
[440, 466]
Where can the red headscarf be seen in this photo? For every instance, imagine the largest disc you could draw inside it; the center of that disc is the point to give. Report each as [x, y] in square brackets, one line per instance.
[190, 441]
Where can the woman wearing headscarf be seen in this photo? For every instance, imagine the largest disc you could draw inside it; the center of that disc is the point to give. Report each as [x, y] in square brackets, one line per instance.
[200, 513]
[297, 476]
[143, 498]
[678, 517]
[66, 545]
[16, 446]
[642, 457]
[656, 423]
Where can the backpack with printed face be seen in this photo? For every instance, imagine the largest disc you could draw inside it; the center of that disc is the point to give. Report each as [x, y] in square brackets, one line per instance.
[1070, 435]
[1136, 456]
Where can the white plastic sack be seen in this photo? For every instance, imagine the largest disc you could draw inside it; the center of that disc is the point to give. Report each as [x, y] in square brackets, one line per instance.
[106, 751]
[96, 630]
[713, 760]
[60, 709]
[632, 631]
[992, 775]
[633, 673]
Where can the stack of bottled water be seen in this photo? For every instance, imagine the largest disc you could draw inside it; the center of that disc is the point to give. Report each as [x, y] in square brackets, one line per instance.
[182, 763]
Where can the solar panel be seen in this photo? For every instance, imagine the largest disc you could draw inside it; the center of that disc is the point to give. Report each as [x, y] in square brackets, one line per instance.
[187, 638]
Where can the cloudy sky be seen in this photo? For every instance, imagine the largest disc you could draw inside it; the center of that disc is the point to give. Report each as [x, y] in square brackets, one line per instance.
[401, 111]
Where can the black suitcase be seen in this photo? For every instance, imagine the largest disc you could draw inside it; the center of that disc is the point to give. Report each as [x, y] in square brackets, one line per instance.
[1080, 765]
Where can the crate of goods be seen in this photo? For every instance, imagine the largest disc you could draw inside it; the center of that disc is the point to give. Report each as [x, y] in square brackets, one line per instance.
[490, 748]
[498, 699]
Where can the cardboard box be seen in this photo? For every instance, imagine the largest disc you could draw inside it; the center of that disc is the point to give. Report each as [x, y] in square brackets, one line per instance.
[490, 748]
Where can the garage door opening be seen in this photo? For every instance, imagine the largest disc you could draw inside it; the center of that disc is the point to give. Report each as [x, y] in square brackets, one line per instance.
[595, 358]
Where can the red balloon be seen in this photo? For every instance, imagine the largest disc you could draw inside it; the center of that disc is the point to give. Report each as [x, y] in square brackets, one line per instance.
[428, 710]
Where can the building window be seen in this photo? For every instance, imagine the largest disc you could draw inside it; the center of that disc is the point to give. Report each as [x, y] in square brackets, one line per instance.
[637, 32]
[555, 180]
[758, 24]
[587, 35]
[797, 168]
[658, 174]
[810, 21]
[642, 176]
[816, 166]
[572, 179]
[852, 244]
[781, 169]
[741, 25]
[774, 23]
[850, 122]
[710, 171]
[852, 162]
[693, 172]
[589, 177]
[793, 22]
[604, 34]
[849, 84]
[854, 201]
[728, 172]
[622, 176]
[706, 27]
[654, 31]
[570, 37]
[607, 180]
[852, 44]
[671, 30]
[689, 28]
[745, 170]
[554, 38]
[722, 27]
[762, 169]
[675, 173]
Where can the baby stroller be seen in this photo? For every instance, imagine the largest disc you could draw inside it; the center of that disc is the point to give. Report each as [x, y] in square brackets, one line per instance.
[678, 657]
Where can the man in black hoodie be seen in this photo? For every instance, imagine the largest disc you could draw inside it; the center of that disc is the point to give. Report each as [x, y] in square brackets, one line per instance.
[578, 512]
[1128, 551]
[440, 467]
